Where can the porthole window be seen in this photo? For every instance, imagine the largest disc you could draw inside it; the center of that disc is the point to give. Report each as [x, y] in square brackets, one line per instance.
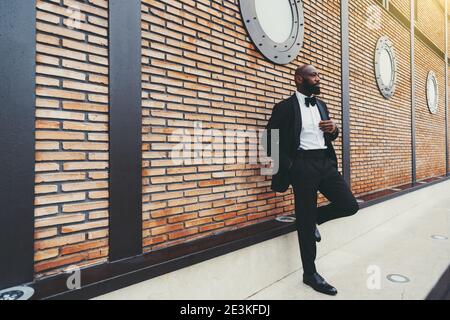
[275, 18]
[385, 67]
[275, 27]
[432, 92]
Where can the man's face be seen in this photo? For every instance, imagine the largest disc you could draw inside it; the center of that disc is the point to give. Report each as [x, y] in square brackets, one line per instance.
[310, 80]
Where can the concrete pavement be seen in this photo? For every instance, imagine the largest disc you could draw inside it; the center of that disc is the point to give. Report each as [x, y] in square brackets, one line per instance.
[401, 245]
[356, 255]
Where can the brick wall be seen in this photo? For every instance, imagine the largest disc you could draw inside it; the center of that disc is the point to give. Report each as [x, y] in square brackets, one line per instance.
[199, 64]
[430, 128]
[71, 206]
[380, 129]
[430, 20]
[404, 6]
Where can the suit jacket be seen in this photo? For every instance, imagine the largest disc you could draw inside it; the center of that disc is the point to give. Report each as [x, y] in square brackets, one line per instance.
[286, 116]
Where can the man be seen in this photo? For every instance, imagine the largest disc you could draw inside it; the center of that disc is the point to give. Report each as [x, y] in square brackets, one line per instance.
[308, 162]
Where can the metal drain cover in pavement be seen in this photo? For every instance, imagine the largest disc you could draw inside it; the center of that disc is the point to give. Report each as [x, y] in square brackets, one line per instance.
[285, 219]
[439, 237]
[397, 278]
[17, 293]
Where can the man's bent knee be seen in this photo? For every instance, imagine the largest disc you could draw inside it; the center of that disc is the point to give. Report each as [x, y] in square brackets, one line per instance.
[353, 209]
[350, 209]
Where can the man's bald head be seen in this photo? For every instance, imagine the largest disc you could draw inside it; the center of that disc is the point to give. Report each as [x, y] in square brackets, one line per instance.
[305, 70]
[307, 79]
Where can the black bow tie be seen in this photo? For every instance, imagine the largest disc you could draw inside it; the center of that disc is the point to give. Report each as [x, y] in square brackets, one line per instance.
[310, 101]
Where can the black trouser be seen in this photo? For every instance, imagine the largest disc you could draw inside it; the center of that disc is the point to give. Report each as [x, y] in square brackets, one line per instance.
[312, 171]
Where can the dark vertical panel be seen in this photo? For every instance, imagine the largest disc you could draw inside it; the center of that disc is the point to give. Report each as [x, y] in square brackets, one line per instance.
[125, 236]
[413, 96]
[345, 91]
[17, 126]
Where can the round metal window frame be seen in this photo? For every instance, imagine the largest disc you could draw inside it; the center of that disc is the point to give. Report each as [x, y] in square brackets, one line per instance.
[432, 77]
[277, 52]
[384, 43]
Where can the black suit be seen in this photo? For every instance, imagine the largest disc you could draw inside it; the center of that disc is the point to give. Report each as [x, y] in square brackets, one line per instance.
[287, 118]
[308, 172]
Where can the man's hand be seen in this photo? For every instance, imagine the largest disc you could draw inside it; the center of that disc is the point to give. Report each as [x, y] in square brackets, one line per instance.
[327, 126]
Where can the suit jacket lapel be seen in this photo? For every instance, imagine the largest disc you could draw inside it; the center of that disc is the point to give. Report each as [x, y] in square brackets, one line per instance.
[323, 115]
[297, 119]
[321, 107]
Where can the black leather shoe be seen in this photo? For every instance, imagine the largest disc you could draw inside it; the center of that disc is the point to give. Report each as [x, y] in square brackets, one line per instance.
[319, 284]
[317, 235]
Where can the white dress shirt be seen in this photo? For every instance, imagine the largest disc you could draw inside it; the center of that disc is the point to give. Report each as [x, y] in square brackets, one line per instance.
[311, 137]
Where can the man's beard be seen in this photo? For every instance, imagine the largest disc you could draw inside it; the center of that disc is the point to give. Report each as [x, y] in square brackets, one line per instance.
[315, 90]
[310, 89]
